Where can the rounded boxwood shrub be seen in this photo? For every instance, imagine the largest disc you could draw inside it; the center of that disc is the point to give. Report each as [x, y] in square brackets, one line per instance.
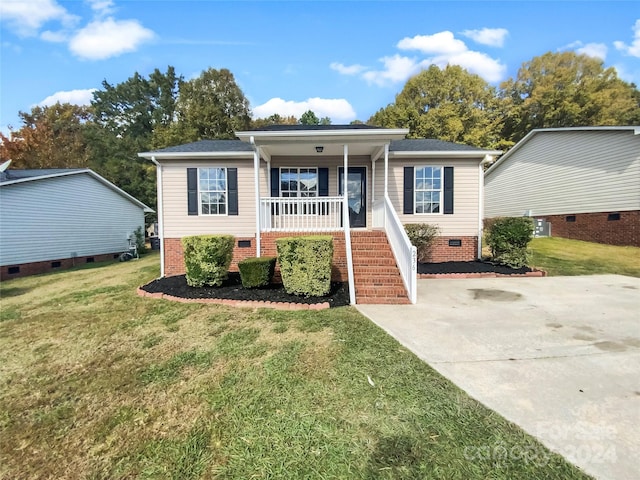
[508, 238]
[305, 264]
[256, 271]
[422, 236]
[207, 259]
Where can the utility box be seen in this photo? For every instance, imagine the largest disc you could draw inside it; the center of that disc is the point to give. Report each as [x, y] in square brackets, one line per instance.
[542, 228]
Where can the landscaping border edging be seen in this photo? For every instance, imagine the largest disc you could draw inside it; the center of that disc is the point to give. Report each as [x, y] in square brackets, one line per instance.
[237, 303]
[534, 273]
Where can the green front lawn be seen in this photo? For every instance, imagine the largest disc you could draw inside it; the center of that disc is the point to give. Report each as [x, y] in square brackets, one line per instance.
[561, 256]
[96, 382]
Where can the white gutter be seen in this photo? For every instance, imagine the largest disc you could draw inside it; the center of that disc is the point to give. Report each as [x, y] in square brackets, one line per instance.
[347, 227]
[445, 154]
[160, 213]
[195, 155]
[310, 134]
[256, 179]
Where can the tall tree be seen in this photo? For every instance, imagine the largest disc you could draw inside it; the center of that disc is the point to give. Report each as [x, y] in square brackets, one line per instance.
[274, 119]
[309, 118]
[209, 106]
[50, 137]
[449, 104]
[126, 117]
[565, 89]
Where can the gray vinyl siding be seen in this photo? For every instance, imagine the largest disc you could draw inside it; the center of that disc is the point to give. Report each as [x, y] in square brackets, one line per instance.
[566, 173]
[176, 221]
[62, 217]
[464, 220]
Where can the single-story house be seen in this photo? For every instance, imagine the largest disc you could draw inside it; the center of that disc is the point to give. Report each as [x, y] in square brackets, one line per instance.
[55, 218]
[584, 181]
[288, 180]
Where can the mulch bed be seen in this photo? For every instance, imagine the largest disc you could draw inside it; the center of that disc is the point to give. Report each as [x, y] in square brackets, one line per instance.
[232, 289]
[469, 267]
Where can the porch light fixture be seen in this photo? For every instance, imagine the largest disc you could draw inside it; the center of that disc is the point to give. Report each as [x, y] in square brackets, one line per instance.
[319, 149]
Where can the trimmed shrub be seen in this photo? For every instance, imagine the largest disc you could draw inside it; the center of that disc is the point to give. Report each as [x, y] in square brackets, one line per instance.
[207, 259]
[305, 264]
[422, 236]
[508, 238]
[256, 271]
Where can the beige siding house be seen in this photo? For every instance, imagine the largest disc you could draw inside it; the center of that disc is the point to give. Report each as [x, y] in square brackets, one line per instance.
[288, 180]
[585, 181]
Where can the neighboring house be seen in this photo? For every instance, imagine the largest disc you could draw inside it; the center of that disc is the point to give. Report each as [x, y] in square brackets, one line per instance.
[56, 218]
[585, 181]
[288, 180]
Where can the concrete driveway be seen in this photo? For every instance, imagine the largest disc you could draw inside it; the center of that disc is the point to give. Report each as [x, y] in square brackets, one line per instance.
[559, 356]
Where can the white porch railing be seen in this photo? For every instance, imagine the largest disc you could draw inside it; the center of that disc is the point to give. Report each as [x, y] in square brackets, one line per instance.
[385, 216]
[294, 214]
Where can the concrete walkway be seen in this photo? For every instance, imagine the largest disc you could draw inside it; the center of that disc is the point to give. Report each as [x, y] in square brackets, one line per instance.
[559, 356]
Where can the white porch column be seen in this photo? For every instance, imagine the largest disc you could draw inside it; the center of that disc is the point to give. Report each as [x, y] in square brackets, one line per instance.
[347, 229]
[386, 169]
[256, 179]
[373, 181]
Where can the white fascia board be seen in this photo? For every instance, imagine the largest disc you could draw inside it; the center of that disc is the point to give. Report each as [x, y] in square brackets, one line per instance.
[313, 135]
[194, 155]
[479, 154]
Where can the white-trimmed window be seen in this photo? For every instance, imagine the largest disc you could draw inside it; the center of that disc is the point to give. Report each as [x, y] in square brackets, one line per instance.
[212, 191]
[428, 189]
[298, 182]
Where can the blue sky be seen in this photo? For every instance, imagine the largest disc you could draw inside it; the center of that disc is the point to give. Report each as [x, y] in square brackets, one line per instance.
[342, 59]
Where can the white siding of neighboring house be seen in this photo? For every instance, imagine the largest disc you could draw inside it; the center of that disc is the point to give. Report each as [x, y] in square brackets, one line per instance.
[177, 222]
[566, 173]
[62, 217]
[464, 220]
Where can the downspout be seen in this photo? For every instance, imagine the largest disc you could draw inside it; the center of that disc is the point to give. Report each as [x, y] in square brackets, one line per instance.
[485, 160]
[256, 179]
[160, 212]
[347, 229]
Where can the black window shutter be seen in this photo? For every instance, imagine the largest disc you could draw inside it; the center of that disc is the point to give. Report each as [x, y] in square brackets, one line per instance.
[408, 191]
[448, 190]
[275, 182]
[323, 182]
[192, 191]
[232, 190]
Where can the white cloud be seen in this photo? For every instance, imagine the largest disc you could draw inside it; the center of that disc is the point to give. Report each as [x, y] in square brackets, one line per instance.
[494, 37]
[347, 69]
[438, 43]
[596, 50]
[101, 7]
[75, 97]
[396, 69]
[108, 38]
[634, 48]
[55, 37]
[26, 17]
[338, 109]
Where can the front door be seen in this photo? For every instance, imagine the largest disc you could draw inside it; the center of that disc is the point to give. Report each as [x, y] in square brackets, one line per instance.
[356, 194]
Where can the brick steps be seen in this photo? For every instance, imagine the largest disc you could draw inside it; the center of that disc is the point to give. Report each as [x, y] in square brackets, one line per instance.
[377, 278]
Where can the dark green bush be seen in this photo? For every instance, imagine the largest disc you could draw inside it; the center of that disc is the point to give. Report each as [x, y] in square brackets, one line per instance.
[305, 264]
[422, 236]
[508, 238]
[207, 259]
[256, 272]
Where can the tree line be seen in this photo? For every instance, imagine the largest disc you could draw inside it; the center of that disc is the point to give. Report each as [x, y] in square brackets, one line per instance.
[163, 109]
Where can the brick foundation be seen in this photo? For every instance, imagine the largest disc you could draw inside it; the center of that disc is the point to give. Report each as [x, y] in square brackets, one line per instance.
[35, 268]
[442, 251]
[598, 227]
[174, 255]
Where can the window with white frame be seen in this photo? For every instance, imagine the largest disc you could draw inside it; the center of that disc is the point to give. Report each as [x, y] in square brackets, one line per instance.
[212, 191]
[299, 182]
[428, 189]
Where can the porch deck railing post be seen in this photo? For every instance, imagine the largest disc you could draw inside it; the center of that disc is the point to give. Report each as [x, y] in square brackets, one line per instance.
[347, 227]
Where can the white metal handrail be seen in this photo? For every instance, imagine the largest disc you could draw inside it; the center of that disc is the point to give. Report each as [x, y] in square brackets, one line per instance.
[295, 214]
[384, 215]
